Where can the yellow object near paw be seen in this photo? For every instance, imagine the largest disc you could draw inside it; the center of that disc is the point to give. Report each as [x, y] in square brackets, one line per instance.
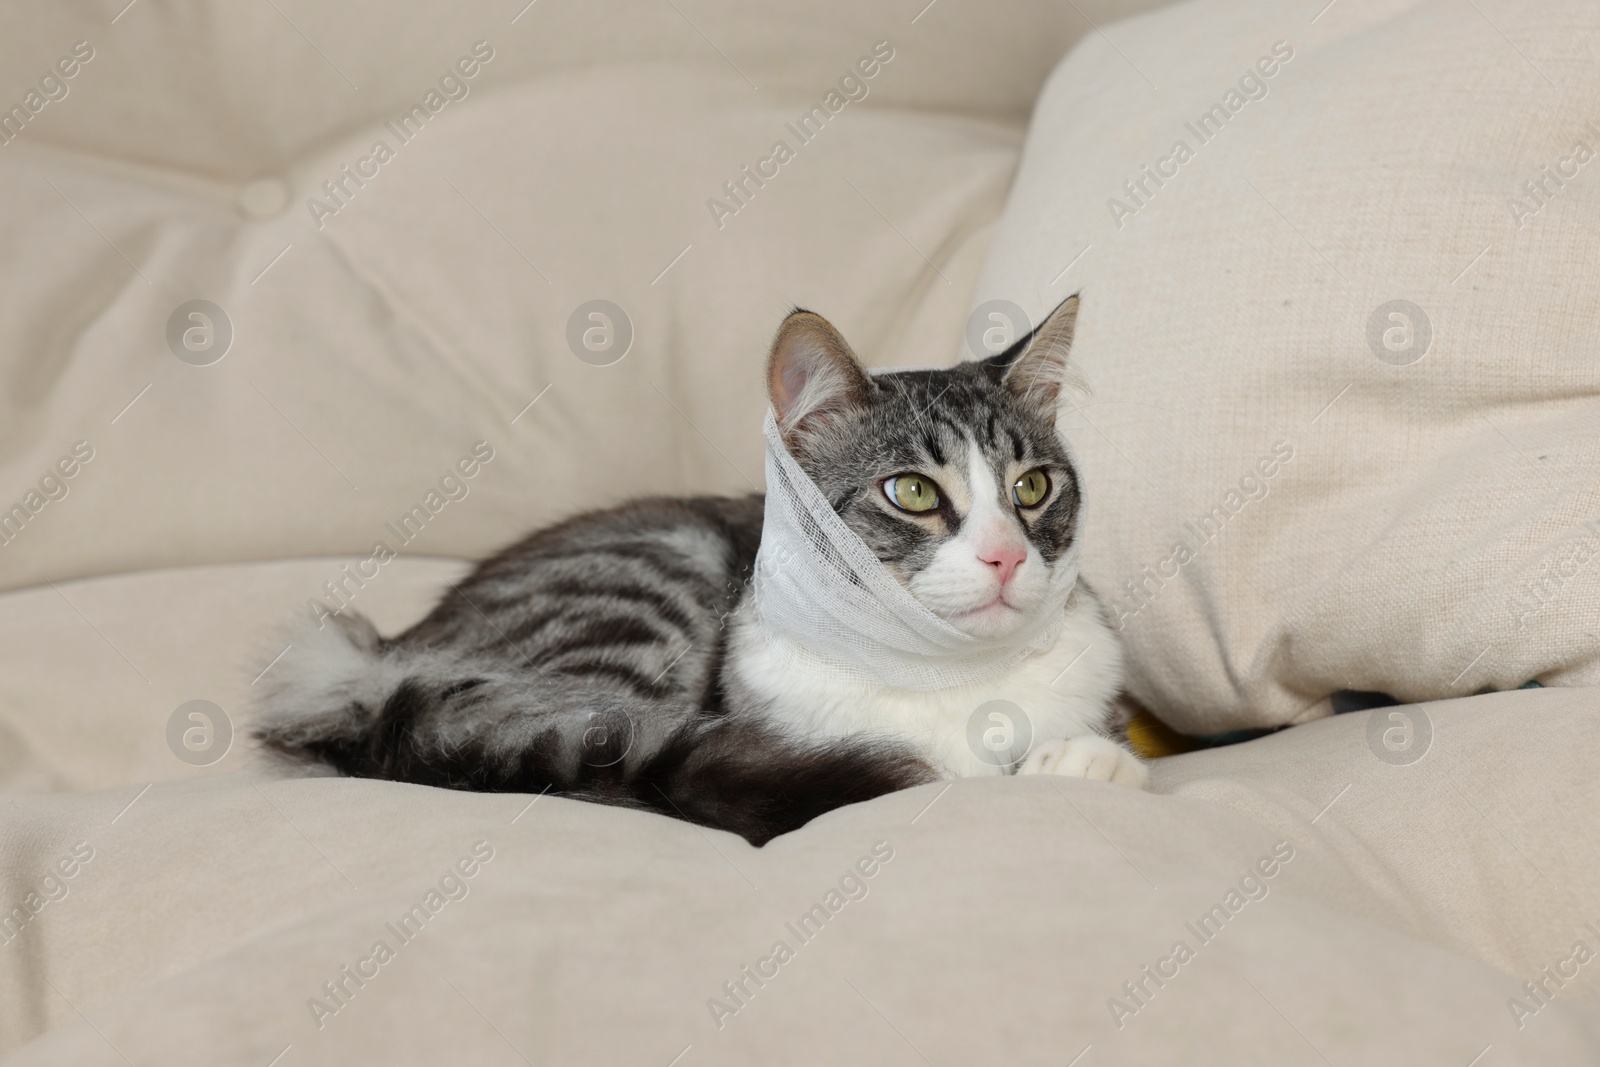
[1151, 738]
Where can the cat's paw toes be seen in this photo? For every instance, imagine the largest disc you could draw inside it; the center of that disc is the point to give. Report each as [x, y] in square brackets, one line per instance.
[1088, 756]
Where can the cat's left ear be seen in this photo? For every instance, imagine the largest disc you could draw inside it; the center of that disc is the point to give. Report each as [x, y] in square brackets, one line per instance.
[1038, 372]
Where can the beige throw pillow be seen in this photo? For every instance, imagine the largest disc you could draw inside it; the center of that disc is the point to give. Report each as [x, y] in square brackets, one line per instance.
[1339, 318]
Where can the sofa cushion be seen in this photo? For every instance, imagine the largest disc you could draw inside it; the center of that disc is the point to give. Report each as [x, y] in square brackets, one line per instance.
[1336, 321]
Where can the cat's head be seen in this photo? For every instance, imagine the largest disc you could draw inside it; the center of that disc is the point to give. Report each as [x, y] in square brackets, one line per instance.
[954, 478]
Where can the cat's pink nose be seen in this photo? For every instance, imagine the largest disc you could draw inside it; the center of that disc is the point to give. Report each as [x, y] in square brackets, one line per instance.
[1004, 559]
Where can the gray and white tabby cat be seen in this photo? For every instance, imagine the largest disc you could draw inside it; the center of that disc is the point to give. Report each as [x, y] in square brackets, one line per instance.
[608, 657]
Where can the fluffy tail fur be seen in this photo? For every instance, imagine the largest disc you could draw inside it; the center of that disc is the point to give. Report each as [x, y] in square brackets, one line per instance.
[373, 709]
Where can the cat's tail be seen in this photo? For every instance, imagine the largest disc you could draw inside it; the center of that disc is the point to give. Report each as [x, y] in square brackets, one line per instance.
[743, 775]
[373, 708]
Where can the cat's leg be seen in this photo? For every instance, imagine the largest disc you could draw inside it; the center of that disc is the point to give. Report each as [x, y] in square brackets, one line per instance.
[1087, 756]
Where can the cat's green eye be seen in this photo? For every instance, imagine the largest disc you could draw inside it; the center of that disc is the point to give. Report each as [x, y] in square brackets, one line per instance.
[911, 492]
[1031, 488]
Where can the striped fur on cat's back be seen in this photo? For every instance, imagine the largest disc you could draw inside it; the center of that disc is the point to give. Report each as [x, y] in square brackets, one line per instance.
[614, 657]
[582, 660]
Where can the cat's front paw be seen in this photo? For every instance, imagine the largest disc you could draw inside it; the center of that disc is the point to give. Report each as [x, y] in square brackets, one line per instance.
[1087, 756]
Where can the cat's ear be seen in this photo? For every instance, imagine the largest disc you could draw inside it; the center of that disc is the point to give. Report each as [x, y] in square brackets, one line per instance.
[1037, 373]
[813, 378]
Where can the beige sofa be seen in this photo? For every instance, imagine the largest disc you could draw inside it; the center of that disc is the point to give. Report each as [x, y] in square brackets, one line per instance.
[1408, 885]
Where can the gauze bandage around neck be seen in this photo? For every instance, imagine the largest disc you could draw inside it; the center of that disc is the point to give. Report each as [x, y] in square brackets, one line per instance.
[818, 586]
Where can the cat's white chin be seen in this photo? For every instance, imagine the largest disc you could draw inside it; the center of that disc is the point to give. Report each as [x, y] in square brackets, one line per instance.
[994, 619]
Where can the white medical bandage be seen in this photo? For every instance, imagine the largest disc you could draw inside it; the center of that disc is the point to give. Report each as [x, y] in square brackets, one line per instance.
[818, 586]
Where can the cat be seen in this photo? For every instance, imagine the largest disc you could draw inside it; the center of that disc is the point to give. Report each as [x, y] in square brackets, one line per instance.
[616, 656]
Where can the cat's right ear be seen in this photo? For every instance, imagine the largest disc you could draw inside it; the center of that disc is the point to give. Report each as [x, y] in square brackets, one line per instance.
[1036, 374]
[813, 379]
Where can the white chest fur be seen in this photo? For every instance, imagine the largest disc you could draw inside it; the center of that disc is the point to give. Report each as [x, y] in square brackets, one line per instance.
[1064, 691]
